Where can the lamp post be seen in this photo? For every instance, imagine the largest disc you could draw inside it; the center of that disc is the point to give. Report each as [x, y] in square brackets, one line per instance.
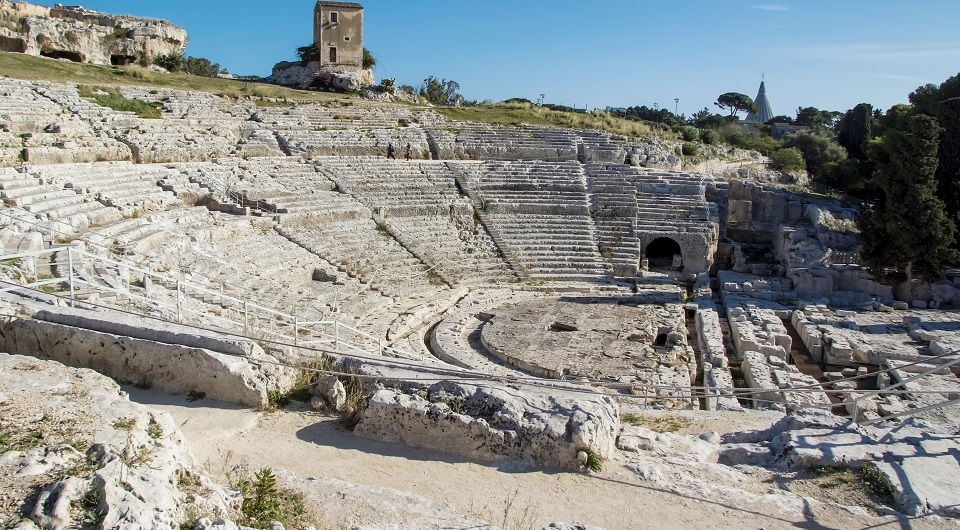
[676, 105]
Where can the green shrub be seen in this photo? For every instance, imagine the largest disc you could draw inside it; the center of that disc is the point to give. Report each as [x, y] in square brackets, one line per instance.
[788, 159]
[594, 462]
[689, 149]
[175, 62]
[874, 481]
[172, 62]
[368, 60]
[709, 136]
[308, 54]
[690, 134]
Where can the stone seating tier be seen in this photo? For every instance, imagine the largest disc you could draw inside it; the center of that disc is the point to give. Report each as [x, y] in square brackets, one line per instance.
[318, 117]
[461, 256]
[51, 201]
[361, 250]
[371, 142]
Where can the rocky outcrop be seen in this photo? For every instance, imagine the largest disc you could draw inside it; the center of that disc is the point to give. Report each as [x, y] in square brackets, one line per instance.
[917, 465]
[149, 353]
[124, 465]
[655, 153]
[86, 36]
[495, 423]
[312, 75]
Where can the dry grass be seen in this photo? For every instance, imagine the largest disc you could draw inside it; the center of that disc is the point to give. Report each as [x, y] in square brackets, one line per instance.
[20, 66]
[657, 423]
[526, 114]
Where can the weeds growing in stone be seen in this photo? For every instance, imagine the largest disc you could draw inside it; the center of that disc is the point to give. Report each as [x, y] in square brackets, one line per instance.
[657, 423]
[154, 430]
[875, 482]
[594, 461]
[125, 424]
[265, 501]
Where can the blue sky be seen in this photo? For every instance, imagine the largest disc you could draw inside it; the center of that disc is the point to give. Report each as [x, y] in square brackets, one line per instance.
[831, 54]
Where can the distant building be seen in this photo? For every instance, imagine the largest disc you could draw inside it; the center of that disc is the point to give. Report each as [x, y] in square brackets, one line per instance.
[780, 130]
[764, 112]
[338, 30]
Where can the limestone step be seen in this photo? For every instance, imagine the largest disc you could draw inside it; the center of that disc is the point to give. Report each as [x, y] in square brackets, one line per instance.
[39, 195]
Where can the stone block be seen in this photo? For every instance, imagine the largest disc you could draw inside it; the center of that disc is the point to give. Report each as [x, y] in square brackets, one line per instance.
[495, 424]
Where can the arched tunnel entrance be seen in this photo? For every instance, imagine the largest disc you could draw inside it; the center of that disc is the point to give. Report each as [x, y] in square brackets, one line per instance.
[660, 254]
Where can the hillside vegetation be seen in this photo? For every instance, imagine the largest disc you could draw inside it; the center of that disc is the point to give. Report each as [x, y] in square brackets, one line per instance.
[28, 67]
[518, 113]
[32, 68]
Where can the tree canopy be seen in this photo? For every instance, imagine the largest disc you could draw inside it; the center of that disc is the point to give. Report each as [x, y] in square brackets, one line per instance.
[440, 91]
[815, 118]
[176, 62]
[906, 232]
[736, 102]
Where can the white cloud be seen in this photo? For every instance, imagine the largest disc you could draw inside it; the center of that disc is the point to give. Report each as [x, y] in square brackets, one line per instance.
[877, 52]
[897, 77]
[772, 7]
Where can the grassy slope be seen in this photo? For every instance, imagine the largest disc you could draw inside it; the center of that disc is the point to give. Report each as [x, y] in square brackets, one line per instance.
[28, 67]
[525, 113]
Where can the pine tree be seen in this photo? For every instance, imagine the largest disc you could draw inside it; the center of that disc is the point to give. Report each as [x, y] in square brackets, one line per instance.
[907, 233]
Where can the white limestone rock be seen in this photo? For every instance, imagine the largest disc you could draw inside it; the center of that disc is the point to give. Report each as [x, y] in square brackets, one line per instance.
[331, 391]
[87, 36]
[496, 424]
[136, 457]
[171, 367]
[635, 439]
[364, 507]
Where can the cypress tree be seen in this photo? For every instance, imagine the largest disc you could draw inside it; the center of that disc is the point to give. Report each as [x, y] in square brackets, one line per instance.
[856, 129]
[948, 170]
[907, 233]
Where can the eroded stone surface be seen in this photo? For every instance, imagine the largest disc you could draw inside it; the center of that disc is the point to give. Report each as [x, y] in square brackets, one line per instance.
[495, 424]
[609, 339]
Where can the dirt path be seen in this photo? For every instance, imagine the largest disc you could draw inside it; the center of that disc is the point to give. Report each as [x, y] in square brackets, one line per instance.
[311, 445]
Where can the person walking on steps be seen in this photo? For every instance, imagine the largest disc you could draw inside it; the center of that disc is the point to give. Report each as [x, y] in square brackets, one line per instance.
[391, 151]
[407, 154]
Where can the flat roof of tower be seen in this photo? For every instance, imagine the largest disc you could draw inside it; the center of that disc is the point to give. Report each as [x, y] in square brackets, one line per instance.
[340, 4]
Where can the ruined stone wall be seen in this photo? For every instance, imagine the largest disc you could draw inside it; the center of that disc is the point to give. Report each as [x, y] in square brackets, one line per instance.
[698, 248]
[85, 36]
[754, 208]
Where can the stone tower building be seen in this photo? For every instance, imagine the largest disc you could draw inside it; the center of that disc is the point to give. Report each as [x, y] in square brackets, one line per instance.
[338, 30]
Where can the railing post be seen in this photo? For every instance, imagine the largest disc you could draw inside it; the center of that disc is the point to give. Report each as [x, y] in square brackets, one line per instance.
[856, 410]
[179, 310]
[380, 343]
[246, 327]
[296, 331]
[336, 335]
[70, 275]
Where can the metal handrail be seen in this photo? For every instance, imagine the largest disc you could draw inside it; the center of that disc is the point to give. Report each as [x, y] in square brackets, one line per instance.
[76, 256]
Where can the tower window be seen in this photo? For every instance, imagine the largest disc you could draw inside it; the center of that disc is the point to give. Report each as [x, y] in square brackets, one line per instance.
[334, 18]
[346, 39]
